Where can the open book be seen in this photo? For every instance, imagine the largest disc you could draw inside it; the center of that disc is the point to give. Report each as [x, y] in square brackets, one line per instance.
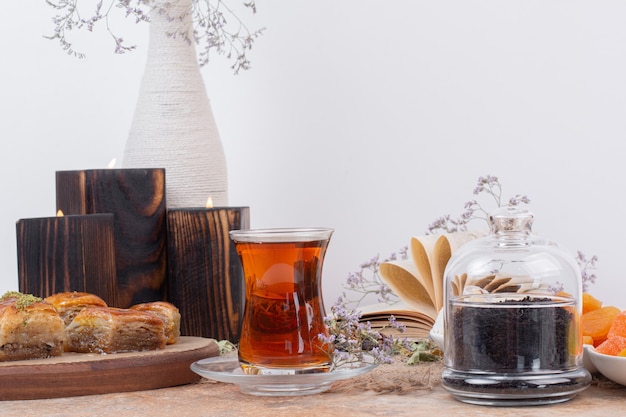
[418, 282]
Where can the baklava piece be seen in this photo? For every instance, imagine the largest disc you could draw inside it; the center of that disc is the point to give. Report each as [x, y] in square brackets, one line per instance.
[111, 330]
[170, 315]
[29, 328]
[69, 304]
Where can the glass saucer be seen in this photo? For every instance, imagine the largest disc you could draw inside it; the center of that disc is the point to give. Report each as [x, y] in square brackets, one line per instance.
[227, 369]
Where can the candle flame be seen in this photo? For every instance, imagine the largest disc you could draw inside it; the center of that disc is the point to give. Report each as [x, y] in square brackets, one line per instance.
[112, 163]
[60, 213]
[209, 202]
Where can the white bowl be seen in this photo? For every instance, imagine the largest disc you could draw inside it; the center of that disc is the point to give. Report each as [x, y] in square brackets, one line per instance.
[587, 363]
[612, 367]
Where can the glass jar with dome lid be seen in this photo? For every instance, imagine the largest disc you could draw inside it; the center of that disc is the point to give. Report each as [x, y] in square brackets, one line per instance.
[512, 309]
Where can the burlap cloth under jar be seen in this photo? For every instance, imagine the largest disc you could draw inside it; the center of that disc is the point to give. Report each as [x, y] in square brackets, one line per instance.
[398, 378]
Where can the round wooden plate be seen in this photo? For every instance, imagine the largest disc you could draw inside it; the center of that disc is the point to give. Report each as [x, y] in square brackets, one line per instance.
[74, 374]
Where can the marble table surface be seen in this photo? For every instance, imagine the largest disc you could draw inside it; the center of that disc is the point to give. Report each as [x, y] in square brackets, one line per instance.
[347, 398]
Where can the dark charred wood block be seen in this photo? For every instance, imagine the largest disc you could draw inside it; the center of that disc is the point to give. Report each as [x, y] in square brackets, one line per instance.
[69, 253]
[136, 197]
[205, 278]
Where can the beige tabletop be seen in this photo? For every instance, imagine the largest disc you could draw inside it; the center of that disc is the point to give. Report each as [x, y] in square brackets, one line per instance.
[386, 391]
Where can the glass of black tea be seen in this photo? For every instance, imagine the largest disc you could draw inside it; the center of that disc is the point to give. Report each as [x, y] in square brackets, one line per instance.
[284, 311]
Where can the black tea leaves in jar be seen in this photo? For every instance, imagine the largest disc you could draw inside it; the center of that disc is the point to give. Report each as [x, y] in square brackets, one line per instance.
[537, 335]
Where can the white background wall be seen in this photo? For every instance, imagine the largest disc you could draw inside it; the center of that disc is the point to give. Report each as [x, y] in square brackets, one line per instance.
[371, 117]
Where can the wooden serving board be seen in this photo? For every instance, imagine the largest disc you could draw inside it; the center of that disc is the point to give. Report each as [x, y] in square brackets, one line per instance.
[74, 374]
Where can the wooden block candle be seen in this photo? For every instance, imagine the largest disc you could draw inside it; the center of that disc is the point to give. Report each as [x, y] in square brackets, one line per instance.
[136, 197]
[205, 278]
[69, 253]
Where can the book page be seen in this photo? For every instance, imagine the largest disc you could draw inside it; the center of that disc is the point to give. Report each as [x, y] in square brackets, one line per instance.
[458, 239]
[444, 247]
[401, 278]
[422, 249]
[443, 252]
[419, 281]
[417, 325]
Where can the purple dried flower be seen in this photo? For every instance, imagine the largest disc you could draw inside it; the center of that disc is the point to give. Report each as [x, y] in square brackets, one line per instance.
[486, 183]
[471, 204]
[353, 340]
[489, 185]
[519, 199]
[586, 266]
[367, 282]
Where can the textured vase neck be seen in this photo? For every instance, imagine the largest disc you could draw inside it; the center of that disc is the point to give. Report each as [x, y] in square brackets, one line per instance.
[171, 31]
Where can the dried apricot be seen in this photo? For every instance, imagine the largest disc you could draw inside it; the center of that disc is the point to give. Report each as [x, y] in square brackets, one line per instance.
[612, 346]
[618, 327]
[597, 323]
[590, 303]
[622, 353]
[587, 340]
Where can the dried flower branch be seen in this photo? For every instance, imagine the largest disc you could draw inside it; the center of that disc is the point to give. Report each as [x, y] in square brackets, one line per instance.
[489, 185]
[352, 341]
[586, 266]
[212, 32]
[366, 281]
[216, 27]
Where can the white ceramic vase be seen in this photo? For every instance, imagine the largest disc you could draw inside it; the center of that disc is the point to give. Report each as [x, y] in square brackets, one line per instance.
[173, 125]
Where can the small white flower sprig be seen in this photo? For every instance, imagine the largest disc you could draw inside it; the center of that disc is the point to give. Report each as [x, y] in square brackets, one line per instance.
[216, 26]
[226, 346]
